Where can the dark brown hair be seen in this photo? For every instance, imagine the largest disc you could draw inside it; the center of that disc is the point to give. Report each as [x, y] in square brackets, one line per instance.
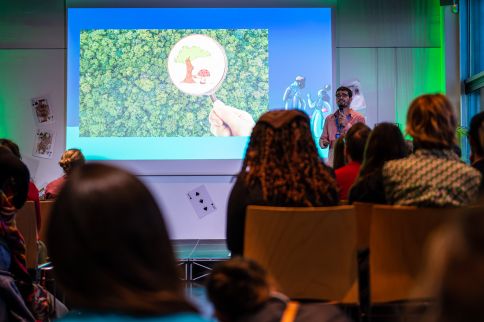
[12, 146]
[238, 287]
[476, 134]
[385, 143]
[339, 153]
[355, 141]
[345, 89]
[110, 247]
[431, 122]
[284, 163]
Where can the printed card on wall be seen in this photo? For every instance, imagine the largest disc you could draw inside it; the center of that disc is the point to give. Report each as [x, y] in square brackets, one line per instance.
[44, 143]
[43, 113]
[201, 201]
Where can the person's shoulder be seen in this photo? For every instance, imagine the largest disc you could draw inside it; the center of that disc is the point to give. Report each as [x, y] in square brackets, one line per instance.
[358, 115]
[469, 170]
[330, 116]
[395, 165]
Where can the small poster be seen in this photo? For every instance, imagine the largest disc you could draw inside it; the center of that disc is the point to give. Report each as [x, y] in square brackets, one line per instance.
[44, 143]
[43, 113]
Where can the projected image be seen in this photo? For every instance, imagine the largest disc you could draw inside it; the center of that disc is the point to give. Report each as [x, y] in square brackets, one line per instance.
[190, 83]
[158, 83]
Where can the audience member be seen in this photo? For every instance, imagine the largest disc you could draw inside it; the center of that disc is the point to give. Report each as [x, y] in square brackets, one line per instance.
[70, 160]
[110, 249]
[355, 141]
[241, 290]
[14, 182]
[433, 176]
[455, 269]
[33, 193]
[339, 154]
[385, 143]
[281, 168]
[476, 141]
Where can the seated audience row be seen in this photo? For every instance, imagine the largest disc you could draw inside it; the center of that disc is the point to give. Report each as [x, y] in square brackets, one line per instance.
[432, 176]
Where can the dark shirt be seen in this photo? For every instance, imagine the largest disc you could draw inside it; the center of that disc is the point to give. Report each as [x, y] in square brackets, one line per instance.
[14, 175]
[240, 197]
[479, 165]
[368, 189]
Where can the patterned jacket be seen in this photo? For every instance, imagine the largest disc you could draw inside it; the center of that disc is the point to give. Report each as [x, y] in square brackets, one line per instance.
[430, 178]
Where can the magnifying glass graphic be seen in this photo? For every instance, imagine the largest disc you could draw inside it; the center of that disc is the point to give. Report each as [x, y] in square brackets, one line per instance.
[197, 65]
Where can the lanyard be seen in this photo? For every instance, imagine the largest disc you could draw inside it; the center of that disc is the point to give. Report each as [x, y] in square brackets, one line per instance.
[339, 127]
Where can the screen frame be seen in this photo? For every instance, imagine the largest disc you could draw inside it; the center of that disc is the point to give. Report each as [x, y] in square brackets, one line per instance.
[195, 167]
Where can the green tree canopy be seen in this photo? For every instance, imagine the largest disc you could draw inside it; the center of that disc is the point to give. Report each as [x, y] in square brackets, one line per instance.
[192, 53]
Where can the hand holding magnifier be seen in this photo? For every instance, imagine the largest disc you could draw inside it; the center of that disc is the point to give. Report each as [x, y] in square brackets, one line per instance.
[197, 65]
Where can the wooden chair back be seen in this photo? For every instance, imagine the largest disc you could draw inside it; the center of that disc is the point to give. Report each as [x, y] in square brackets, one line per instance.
[363, 220]
[310, 252]
[27, 225]
[398, 236]
[45, 209]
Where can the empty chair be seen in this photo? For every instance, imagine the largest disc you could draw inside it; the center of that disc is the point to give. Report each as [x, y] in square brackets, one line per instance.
[397, 238]
[310, 252]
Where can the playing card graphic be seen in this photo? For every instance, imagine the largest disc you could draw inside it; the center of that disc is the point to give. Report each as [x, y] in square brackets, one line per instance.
[42, 110]
[44, 143]
[201, 201]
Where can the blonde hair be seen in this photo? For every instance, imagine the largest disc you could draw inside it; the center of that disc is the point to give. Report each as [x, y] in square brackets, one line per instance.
[71, 159]
[431, 122]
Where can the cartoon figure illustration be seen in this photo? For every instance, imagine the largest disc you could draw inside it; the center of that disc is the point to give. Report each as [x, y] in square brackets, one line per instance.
[186, 55]
[203, 74]
[204, 70]
[358, 102]
[292, 96]
[319, 109]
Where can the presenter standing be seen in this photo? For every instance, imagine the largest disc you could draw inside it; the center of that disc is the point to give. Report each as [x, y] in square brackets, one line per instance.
[337, 124]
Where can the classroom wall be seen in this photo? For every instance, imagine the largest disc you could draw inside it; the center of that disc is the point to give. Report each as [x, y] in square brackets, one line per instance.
[395, 48]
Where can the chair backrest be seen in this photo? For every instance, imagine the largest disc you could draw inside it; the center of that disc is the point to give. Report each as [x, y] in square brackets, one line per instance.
[27, 225]
[398, 236]
[45, 209]
[310, 252]
[363, 219]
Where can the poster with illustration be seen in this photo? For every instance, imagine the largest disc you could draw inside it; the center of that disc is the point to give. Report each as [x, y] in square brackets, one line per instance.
[42, 110]
[44, 143]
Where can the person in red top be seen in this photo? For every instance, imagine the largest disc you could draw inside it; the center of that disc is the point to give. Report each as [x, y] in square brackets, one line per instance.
[355, 138]
[70, 160]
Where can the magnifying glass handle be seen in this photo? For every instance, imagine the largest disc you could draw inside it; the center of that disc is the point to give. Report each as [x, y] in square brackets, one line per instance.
[213, 98]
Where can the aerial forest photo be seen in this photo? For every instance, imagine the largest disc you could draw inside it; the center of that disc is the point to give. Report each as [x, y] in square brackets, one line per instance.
[126, 89]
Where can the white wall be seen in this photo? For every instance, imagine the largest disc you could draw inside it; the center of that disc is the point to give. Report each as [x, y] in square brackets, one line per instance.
[388, 45]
